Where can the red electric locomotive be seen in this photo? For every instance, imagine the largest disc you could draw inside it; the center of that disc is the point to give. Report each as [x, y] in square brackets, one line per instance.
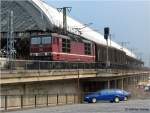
[56, 47]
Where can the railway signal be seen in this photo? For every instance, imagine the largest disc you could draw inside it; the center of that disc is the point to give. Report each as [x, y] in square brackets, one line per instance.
[106, 35]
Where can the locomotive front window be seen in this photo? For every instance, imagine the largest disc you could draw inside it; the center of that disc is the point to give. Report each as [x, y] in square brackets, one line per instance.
[36, 40]
[41, 40]
[46, 40]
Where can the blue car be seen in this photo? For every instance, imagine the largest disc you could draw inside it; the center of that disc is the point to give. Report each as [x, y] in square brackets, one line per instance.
[112, 95]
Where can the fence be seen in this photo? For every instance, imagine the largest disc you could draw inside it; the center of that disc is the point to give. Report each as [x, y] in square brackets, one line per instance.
[14, 102]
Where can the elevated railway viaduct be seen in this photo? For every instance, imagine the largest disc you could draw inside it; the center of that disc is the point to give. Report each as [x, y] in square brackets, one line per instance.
[25, 88]
[87, 80]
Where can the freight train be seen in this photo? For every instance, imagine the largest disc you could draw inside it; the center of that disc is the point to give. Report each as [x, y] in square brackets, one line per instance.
[57, 47]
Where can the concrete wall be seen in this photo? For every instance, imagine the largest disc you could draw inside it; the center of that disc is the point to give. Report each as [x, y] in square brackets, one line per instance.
[51, 87]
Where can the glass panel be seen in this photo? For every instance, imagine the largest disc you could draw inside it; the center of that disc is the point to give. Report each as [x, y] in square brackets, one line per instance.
[36, 40]
[87, 48]
[65, 45]
[46, 40]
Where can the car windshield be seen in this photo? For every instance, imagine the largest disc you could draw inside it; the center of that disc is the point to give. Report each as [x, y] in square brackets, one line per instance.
[125, 92]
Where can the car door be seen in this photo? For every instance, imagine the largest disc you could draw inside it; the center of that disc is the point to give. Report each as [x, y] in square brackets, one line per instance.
[102, 95]
[110, 95]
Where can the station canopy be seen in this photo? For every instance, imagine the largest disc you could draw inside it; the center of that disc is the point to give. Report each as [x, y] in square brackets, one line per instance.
[30, 15]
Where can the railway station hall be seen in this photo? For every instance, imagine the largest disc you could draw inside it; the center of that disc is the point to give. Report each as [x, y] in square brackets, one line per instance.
[49, 58]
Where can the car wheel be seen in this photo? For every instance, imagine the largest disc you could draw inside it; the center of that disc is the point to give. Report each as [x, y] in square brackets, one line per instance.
[94, 100]
[125, 98]
[116, 100]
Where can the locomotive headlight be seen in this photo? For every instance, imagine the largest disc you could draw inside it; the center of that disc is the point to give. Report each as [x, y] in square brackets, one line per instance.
[46, 54]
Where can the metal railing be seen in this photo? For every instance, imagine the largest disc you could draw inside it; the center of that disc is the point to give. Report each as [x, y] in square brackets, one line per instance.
[50, 65]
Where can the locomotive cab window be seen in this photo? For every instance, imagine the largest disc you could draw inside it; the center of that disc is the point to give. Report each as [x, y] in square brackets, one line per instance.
[46, 40]
[36, 40]
[87, 48]
[66, 45]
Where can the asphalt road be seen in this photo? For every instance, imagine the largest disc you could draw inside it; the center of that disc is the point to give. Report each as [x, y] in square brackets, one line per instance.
[131, 106]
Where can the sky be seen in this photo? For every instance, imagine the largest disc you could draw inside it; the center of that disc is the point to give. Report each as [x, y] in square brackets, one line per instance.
[129, 20]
